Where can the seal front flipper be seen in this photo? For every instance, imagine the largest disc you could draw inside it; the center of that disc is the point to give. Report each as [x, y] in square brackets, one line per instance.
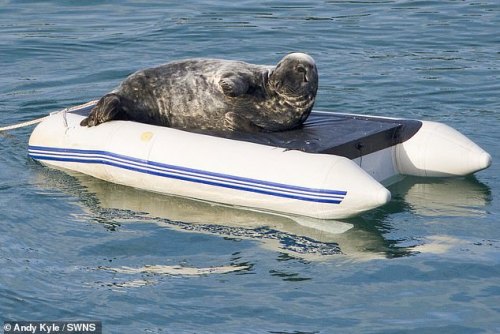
[107, 109]
[235, 122]
[233, 85]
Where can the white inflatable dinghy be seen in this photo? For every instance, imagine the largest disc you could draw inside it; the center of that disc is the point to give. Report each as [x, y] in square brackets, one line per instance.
[333, 167]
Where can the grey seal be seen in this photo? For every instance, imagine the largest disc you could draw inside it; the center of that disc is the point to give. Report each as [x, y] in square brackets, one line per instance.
[215, 94]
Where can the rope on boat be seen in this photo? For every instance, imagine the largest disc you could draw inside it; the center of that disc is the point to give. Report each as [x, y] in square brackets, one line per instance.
[38, 120]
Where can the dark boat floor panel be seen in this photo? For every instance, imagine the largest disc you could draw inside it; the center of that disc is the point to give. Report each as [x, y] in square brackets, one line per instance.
[350, 136]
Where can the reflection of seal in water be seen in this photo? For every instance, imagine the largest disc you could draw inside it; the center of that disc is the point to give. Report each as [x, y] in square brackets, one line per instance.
[215, 94]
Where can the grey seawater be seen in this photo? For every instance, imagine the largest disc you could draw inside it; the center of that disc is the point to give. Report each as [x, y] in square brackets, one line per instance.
[76, 248]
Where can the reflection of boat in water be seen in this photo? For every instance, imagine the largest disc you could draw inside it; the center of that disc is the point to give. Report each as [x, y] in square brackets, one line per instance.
[444, 197]
[111, 205]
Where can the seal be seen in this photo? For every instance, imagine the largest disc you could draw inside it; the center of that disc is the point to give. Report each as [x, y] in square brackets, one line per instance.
[215, 94]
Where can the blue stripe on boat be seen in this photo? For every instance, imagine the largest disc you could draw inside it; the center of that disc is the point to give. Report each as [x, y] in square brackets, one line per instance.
[186, 174]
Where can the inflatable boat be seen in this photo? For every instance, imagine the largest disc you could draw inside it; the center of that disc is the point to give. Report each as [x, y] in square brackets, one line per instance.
[335, 166]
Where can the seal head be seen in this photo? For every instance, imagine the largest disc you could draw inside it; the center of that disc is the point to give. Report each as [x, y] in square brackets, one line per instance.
[295, 75]
[292, 89]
